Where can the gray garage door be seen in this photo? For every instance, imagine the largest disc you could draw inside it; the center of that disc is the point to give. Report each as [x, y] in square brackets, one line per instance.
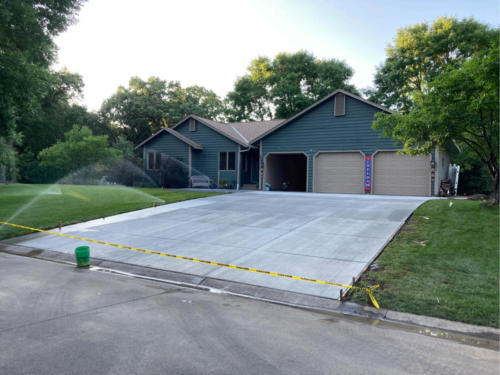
[339, 172]
[401, 174]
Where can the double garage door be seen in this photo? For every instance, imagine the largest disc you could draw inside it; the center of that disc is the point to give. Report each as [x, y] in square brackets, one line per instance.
[343, 172]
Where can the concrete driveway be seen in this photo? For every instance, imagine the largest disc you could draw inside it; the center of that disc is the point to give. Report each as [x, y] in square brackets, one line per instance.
[330, 237]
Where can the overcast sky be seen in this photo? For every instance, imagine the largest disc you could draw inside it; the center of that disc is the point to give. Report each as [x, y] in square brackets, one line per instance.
[211, 43]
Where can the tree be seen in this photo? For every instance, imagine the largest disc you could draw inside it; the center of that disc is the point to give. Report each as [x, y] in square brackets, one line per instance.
[80, 149]
[27, 28]
[285, 86]
[420, 53]
[46, 124]
[460, 104]
[144, 107]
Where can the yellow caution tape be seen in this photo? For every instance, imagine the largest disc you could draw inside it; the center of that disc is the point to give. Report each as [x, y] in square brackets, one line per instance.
[368, 290]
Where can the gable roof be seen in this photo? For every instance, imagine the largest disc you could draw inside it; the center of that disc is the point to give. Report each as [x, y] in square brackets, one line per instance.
[243, 133]
[338, 91]
[247, 133]
[176, 134]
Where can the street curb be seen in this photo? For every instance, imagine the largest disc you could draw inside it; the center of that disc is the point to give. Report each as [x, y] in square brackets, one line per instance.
[467, 333]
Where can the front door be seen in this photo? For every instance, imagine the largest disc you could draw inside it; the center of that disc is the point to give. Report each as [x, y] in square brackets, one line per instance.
[250, 167]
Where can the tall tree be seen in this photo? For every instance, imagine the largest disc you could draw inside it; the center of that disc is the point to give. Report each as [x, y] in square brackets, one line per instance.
[144, 107]
[461, 105]
[46, 124]
[418, 55]
[420, 52]
[286, 85]
[27, 29]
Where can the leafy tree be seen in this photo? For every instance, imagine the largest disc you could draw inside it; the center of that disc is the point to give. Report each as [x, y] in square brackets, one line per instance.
[285, 86]
[125, 147]
[460, 104]
[46, 124]
[423, 51]
[79, 149]
[27, 28]
[146, 106]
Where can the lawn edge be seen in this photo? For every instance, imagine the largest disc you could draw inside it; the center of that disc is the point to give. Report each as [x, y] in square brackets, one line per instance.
[408, 317]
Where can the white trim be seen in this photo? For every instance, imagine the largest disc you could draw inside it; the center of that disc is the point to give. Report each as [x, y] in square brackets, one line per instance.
[261, 175]
[288, 152]
[238, 169]
[336, 151]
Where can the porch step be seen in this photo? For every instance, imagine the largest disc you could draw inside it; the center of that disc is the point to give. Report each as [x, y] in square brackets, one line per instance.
[248, 187]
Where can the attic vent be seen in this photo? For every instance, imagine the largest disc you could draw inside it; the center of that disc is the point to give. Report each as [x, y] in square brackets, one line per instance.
[192, 125]
[340, 105]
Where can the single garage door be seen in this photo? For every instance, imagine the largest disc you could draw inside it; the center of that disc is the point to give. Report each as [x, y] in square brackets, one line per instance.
[339, 172]
[401, 174]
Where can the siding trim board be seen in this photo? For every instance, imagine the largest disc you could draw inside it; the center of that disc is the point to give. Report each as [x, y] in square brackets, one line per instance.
[314, 177]
[190, 162]
[261, 167]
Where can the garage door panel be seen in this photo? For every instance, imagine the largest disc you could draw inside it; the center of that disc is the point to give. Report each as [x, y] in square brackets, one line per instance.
[339, 172]
[396, 174]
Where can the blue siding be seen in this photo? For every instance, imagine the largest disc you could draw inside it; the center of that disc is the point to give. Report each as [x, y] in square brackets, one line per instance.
[319, 130]
[170, 145]
[206, 161]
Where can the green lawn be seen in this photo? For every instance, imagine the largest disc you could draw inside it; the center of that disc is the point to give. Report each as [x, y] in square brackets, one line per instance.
[444, 263]
[44, 206]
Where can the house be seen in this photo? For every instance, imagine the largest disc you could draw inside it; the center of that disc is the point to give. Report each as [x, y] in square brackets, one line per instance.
[329, 147]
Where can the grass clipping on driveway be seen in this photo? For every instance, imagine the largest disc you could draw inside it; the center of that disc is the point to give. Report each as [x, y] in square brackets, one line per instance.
[44, 206]
[444, 263]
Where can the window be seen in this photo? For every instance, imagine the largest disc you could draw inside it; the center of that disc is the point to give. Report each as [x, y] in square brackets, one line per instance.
[227, 161]
[154, 160]
[231, 161]
[340, 105]
[192, 125]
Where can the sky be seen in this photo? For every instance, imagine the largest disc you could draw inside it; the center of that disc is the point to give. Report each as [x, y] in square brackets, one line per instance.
[211, 43]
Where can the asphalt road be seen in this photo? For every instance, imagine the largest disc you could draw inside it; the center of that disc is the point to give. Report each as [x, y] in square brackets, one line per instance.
[56, 319]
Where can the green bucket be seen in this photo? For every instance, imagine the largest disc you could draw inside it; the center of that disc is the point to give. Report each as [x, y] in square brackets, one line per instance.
[82, 255]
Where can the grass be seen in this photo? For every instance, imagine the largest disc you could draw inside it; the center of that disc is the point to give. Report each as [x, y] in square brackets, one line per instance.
[444, 263]
[44, 206]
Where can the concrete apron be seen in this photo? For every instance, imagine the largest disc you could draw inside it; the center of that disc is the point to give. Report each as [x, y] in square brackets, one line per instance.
[330, 237]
